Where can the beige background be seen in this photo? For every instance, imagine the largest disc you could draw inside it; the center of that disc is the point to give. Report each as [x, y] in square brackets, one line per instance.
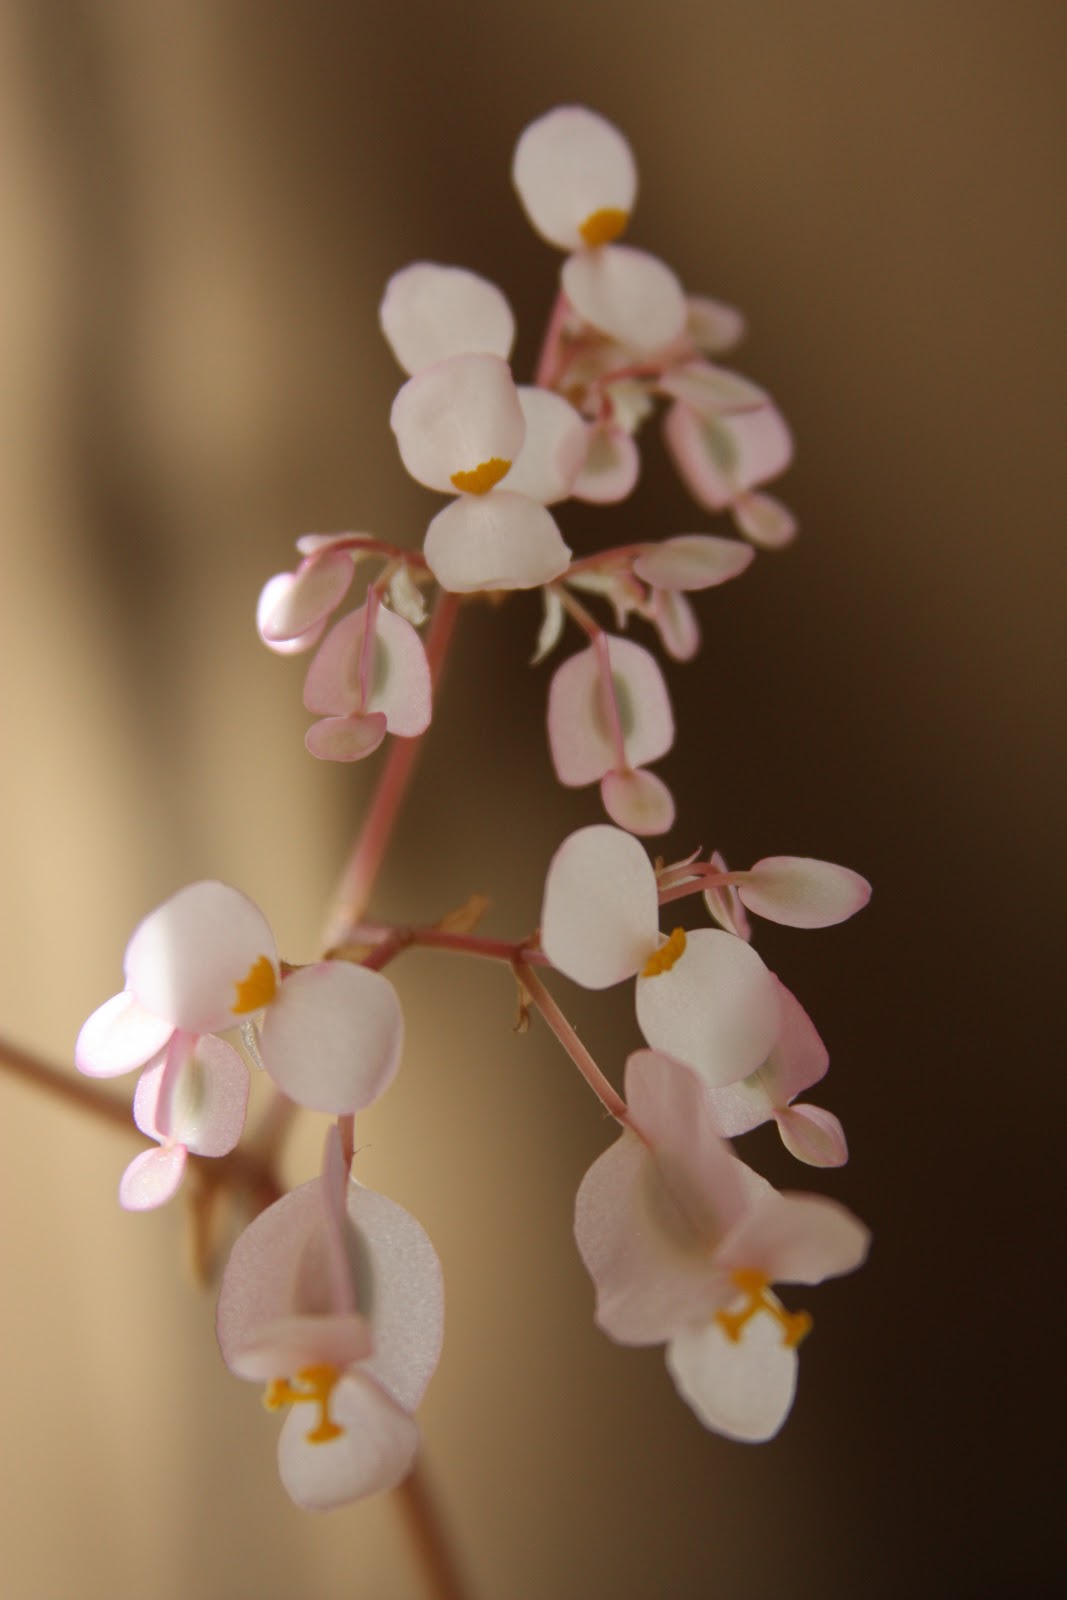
[200, 205]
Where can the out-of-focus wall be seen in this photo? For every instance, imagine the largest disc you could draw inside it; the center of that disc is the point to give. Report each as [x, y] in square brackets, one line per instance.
[200, 205]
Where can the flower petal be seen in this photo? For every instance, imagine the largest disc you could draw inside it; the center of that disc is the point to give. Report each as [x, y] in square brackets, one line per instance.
[675, 621]
[797, 1238]
[611, 469]
[401, 1291]
[495, 541]
[712, 325]
[724, 904]
[190, 959]
[715, 1008]
[292, 608]
[638, 801]
[152, 1178]
[119, 1037]
[333, 1037]
[692, 561]
[273, 597]
[282, 1347]
[374, 1452]
[579, 724]
[571, 167]
[392, 676]
[741, 1388]
[803, 893]
[600, 916]
[461, 417]
[346, 738]
[765, 520]
[208, 1099]
[627, 294]
[554, 450]
[430, 313]
[712, 390]
[719, 458]
[813, 1135]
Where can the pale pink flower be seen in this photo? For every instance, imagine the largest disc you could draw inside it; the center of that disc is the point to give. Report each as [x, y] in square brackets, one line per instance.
[191, 1100]
[702, 996]
[797, 891]
[723, 458]
[206, 961]
[369, 677]
[430, 312]
[332, 1297]
[684, 1243]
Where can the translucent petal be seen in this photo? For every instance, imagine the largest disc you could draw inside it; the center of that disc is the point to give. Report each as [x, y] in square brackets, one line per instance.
[798, 1059]
[332, 1038]
[715, 1008]
[712, 390]
[152, 1178]
[375, 1451]
[719, 458]
[638, 801]
[797, 1238]
[406, 598]
[803, 893]
[208, 1101]
[346, 738]
[457, 417]
[744, 1388]
[712, 325]
[397, 673]
[626, 293]
[765, 521]
[294, 608]
[600, 916]
[430, 313]
[813, 1135]
[275, 595]
[551, 629]
[579, 725]
[692, 561]
[555, 447]
[612, 467]
[188, 957]
[281, 1348]
[569, 166]
[496, 541]
[119, 1037]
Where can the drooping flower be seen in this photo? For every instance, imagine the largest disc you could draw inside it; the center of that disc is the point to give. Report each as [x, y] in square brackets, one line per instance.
[684, 1243]
[205, 961]
[192, 1101]
[369, 677]
[332, 1298]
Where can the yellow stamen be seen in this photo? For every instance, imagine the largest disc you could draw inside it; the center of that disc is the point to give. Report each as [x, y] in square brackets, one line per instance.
[319, 1383]
[663, 959]
[795, 1325]
[483, 477]
[600, 227]
[257, 988]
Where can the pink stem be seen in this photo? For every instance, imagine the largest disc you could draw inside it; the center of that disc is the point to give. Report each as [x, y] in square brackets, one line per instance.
[709, 879]
[608, 1097]
[365, 859]
[546, 361]
[378, 547]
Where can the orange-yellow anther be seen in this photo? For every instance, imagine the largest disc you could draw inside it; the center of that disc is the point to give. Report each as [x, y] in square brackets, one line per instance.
[794, 1324]
[257, 988]
[600, 227]
[485, 476]
[663, 959]
[318, 1385]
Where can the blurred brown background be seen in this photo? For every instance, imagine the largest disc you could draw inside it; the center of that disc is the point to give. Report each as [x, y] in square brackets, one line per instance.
[201, 203]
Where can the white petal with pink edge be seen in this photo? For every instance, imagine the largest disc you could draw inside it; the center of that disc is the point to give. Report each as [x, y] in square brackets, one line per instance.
[719, 458]
[333, 1037]
[386, 673]
[119, 1037]
[638, 801]
[374, 1452]
[346, 738]
[692, 561]
[814, 1135]
[712, 390]
[430, 313]
[459, 425]
[274, 596]
[495, 541]
[555, 447]
[626, 293]
[742, 1388]
[581, 735]
[294, 604]
[204, 959]
[152, 1178]
[765, 520]
[803, 893]
[712, 325]
[612, 467]
[600, 916]
[576, 177]
[676, 622]
[797, 1238]
[799, 1059]
[715, 1008]
[208, 1099]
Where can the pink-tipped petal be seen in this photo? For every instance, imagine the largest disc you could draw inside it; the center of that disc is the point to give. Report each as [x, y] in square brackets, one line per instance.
[712, 391]
[692, 561]
[600, 916]
[715, 1008]
[374, 1452]
[119, 1037]
[626, 293]
[292, 610]
[152, 1178]
[430, 313]
[719, 458]
[797, 1238]
[813, 1135]
[713, 326]
[571, 168]
[579, 719]
[638, 801]
[744, 1388]
[333, 1037]
[612, 467]
[494, 541]
[803, 893]
[397, 683]
[765, 520]
[460, 417]
[346, 738]
[799, 1058]
[201, 959]
[554, 450]
[208, 1098]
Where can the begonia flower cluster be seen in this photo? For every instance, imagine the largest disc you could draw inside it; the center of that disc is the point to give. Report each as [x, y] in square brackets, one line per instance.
[332, 1296]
